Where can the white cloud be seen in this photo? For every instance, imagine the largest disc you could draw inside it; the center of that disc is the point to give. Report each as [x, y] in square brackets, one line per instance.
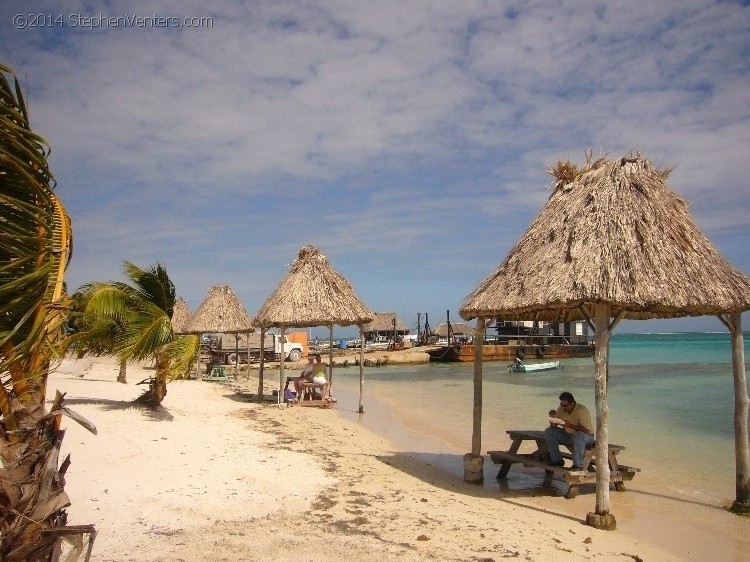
[406, 131]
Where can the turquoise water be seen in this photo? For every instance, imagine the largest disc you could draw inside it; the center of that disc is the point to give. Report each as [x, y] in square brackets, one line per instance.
[671, 399]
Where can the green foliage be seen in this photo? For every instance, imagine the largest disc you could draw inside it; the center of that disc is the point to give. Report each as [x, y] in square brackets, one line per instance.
[134, 321]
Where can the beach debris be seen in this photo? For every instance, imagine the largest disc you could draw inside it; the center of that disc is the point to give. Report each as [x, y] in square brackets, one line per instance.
[587, 540]
[423, 538]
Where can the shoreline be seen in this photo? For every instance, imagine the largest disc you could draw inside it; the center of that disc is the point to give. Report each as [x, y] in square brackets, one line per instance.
[249, 481]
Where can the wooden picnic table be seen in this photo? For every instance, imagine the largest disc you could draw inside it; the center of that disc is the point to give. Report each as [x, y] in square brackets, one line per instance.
[539, 458]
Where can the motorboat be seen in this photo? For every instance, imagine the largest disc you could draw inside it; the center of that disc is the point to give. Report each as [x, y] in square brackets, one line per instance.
[519, 366]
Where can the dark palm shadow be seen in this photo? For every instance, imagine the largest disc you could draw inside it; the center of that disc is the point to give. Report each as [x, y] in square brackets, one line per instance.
[439, 470]
[158, 414]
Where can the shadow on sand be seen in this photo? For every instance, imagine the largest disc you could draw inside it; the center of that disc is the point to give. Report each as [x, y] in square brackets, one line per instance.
[445, 471]
[440, 470]
[158, 414]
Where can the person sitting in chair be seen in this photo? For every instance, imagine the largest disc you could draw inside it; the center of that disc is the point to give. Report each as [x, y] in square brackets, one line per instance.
[320, 378]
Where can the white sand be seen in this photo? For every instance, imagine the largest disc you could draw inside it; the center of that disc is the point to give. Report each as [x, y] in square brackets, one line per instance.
[211, 476]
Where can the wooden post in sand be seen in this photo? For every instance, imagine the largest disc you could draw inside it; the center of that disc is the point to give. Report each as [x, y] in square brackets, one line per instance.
[474, 461]
[330, 360]
[361, 368]
[601, 518]
[281, 364]
[262, 362]
[741, 503]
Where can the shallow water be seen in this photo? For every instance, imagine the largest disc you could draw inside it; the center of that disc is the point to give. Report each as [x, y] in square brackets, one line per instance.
[671, 400]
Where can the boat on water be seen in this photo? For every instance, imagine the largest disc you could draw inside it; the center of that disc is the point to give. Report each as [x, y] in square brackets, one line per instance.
[520, 339]
[519, 366]
[509, 351]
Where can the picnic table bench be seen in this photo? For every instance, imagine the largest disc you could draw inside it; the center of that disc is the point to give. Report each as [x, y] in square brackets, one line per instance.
[539, 458]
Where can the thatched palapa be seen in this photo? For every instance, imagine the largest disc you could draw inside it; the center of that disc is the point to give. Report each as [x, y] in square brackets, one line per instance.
[613, 242]
[314, 294]
[457, 329]
[220, 312]
[181, 316]
[382, 323]
[614, 233]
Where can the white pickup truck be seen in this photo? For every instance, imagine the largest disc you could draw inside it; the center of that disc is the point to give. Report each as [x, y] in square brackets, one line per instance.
[225, 350]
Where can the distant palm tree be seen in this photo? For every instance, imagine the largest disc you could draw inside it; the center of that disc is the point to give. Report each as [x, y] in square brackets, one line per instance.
[35, 246]
[135, 322]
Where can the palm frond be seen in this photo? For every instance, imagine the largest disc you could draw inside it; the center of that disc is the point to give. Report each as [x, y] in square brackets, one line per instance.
[180, 355]
[153, 284]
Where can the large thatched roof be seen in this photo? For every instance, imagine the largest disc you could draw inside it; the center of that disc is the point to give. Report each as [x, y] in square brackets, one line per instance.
[611, 233]
[312, 294]
[180, 316]
[222, 312]
[383, 322]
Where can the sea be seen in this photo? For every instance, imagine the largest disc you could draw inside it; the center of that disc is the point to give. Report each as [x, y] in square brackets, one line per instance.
[671, 405]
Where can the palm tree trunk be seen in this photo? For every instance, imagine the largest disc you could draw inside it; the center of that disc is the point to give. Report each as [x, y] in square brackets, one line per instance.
[30, 455]
[123, 371]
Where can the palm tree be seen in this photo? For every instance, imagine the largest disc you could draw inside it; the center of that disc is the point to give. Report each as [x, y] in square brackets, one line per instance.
[94, 336]
[35, 246]
[135, 322]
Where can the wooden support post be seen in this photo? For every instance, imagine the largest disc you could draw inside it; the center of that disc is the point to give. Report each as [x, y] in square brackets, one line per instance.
[262, 362]
[474, 461]
[198, 359]
[361, 368]
[742, 453]
[330, 361]
[281, 365]
[236, 354]
[601, 518]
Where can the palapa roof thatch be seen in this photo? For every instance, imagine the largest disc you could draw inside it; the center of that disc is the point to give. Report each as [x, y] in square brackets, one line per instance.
[180, 316]
[221, 312]
[312, 294]
[458, 328]
[383, 322]
[612, 233]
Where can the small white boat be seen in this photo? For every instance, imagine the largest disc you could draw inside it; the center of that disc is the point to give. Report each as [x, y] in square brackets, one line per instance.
[519, 367]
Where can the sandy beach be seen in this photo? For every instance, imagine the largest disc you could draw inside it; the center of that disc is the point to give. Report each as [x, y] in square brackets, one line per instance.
[213, 476]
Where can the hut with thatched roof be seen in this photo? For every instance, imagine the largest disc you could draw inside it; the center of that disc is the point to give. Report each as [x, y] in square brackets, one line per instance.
[313, 293]
[613, 242]
[221, 312]
[461, 329]
[181, 316]
[384, 325]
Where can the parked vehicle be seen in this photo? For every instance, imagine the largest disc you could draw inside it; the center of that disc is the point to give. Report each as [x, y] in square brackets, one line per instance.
[226, 348]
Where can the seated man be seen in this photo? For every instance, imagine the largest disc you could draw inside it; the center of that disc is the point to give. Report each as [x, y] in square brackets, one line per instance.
[576, 431]
[305, 376]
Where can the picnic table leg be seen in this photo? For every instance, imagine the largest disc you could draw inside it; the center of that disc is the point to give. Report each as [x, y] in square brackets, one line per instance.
[572, 491]
[614, 467]
[505, 468]
[548, 474]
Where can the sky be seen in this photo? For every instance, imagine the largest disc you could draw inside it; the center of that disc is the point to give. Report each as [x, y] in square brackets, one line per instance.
[407, 140]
